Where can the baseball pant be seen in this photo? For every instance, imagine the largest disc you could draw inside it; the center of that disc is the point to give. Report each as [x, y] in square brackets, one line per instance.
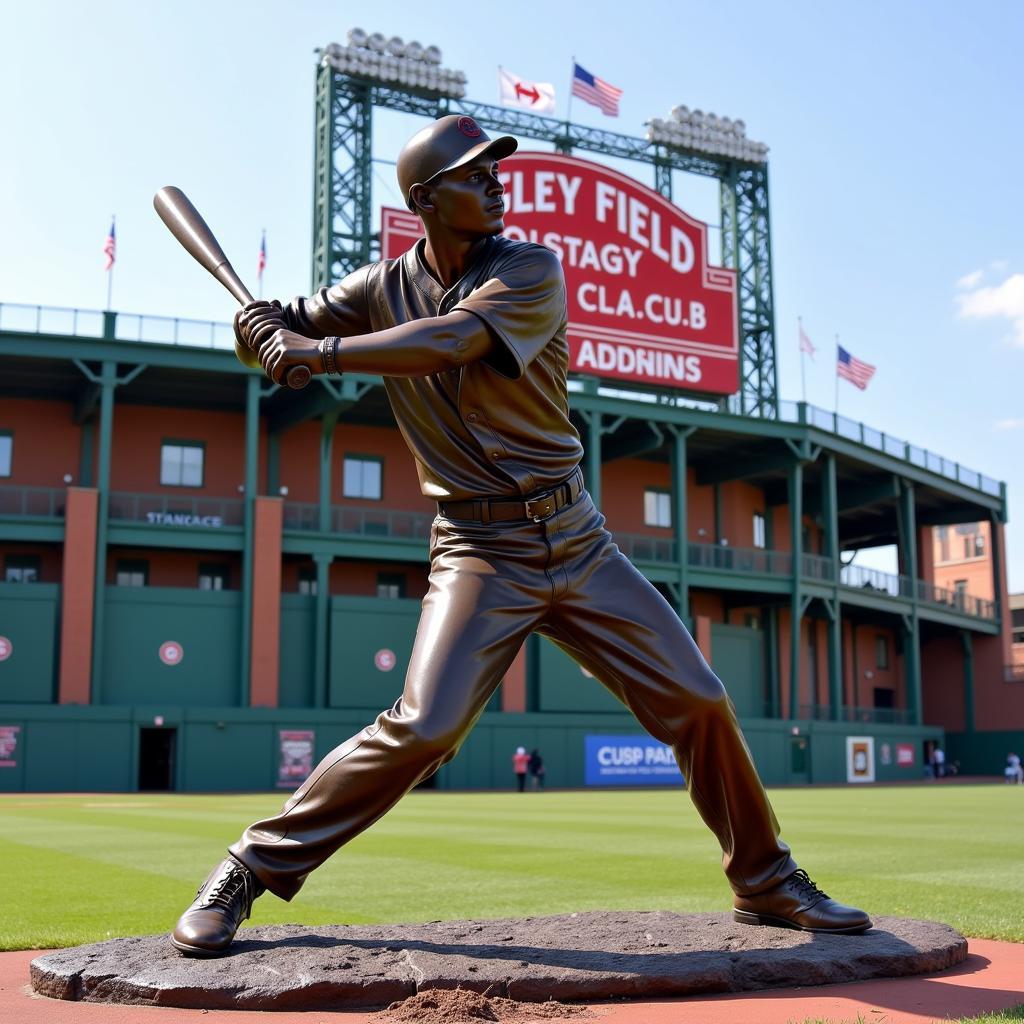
[490, 587]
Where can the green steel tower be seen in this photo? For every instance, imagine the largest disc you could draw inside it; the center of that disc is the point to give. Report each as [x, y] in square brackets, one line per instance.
[371, 72]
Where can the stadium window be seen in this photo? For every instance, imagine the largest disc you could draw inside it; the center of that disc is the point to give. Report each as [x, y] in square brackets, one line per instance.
[21, 569]
[391, 585]
[760, 531]
[307, 580]
[657, 508]
[884, 697]
[181, 463]
[132, 574]
[6, 452]
[943, 544]
[752, 621]
[979, 545]
[363, 477]
[213, 576]
[881, 651]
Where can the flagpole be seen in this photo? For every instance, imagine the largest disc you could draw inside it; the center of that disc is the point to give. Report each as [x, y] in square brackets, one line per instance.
[110, 272]
[803, 378]
[568, 113]
[837, 376]
[262, 260]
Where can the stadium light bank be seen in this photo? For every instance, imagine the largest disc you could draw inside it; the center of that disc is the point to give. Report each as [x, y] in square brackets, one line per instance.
[395, 62]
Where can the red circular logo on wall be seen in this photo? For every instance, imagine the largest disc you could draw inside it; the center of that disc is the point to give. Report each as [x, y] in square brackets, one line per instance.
[6, 648]
[171, 653]
[385, 660]
[469, 128]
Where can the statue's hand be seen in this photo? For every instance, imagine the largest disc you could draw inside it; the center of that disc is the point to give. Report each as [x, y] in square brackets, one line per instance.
[280, 349]
[252, 316]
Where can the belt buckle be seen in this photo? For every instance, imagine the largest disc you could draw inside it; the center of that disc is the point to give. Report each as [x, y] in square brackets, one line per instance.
[541, 508]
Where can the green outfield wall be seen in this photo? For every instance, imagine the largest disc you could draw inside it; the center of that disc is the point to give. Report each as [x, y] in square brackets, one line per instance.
[97, 748]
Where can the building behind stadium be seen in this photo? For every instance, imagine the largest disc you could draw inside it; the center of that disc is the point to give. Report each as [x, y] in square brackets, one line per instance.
[209, 581]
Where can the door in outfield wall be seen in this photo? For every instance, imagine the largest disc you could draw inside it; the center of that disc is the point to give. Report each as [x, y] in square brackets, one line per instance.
[799, 760]
[156, 759]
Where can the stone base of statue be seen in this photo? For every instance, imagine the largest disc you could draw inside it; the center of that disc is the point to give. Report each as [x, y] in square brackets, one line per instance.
[569, 957]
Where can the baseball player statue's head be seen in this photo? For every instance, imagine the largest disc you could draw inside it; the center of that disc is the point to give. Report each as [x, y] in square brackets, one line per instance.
[448, 176]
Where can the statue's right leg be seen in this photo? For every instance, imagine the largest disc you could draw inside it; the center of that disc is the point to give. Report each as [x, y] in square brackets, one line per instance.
[475, 618]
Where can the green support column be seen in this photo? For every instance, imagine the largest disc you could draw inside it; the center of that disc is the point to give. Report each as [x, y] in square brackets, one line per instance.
[796, 504]
[327, 425]
[107, 382]
[995, 520]
[908, 547]
[321, 628]
[252, 440]
[771, 636]
[968, 642]
[87, 454]
[830, 511]
[593, 457]
[679, 517]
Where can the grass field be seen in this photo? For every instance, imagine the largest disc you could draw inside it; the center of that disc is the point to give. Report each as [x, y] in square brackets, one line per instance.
[82, 868]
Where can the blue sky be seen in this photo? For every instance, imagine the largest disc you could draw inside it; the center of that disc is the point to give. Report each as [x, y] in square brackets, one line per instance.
[894, 166]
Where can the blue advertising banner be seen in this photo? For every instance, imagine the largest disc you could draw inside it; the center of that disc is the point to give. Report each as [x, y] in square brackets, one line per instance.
[629, 761]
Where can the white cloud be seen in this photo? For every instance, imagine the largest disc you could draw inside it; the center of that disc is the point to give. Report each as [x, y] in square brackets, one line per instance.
[1005, 301]
[970, 280]
[1013, 423]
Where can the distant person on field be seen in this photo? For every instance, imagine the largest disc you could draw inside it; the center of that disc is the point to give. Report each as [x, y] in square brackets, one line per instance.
[939, 761]
[1014, 773]
[520, 765]
[536, 767]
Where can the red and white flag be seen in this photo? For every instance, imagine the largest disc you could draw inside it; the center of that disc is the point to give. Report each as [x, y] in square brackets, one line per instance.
[805, 343]
[261, 260]
[852, 369]
[110, 247]
[518, 92]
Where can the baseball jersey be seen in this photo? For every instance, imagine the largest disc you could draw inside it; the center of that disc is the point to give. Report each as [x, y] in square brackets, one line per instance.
[498, 427]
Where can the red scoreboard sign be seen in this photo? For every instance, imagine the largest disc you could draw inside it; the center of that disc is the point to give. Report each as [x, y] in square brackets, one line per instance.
[644, 305]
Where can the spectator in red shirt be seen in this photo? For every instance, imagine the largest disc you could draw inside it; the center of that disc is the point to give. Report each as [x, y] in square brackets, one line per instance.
[520, 763]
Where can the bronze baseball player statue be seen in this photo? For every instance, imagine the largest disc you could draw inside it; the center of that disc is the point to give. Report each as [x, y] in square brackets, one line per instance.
[468, 330]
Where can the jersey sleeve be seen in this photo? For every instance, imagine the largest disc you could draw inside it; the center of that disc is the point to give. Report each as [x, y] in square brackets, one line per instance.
[523, 303]
[343, 309]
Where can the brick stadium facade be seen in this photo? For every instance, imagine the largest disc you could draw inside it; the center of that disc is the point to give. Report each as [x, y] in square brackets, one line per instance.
[195, 563]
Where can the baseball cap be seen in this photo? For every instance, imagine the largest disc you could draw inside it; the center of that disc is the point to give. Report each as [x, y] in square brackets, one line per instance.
[445, 144]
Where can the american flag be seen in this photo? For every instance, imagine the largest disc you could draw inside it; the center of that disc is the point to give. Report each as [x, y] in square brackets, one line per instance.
[595, 91]
[261, 262]
[852, 369]
[110, 247]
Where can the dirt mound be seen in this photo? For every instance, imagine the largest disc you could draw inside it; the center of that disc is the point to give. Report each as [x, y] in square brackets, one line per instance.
[461, 1006]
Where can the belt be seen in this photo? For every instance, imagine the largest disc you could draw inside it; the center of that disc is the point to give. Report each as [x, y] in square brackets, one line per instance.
[497, 510]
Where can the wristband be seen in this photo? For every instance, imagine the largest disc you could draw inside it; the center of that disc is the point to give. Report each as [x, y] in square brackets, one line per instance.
[328, 349]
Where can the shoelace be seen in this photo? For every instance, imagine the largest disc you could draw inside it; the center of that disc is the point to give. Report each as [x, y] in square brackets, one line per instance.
[228, 888]
[806, 888]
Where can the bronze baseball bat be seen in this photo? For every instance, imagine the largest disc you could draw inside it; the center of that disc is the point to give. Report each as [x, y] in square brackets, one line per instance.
[188, 227]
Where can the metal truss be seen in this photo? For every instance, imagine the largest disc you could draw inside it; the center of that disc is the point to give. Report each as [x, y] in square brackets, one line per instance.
[746, 246]
[343, 240]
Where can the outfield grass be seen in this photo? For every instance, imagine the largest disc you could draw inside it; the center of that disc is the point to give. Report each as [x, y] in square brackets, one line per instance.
[82, 868]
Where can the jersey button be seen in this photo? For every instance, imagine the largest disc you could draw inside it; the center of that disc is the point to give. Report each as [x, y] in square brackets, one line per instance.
[472, 417]
[495, 456]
